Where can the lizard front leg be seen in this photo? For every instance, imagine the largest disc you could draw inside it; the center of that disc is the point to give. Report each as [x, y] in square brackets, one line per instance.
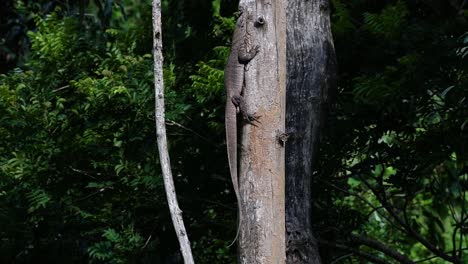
[246, 50]
[246, 53]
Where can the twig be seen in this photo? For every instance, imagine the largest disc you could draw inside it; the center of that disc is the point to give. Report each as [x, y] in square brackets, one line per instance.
[82, 172]
[92, 194]
[61, 88]
[435, 256]
[341, 258]
[376, 209]
[354, 251]
[147, 241]
[390, 209]
[462, 216]
[176, 213]
[173, 123]
[377, 245]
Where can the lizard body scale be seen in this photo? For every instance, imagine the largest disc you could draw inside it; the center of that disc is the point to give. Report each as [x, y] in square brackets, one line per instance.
[240, 55]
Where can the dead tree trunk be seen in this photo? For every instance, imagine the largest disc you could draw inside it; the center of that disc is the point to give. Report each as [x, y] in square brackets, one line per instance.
[311, 76]
[261, 172]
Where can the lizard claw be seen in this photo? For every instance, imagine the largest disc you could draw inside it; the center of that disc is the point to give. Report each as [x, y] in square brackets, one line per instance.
[236, 100]
[257, 48]
[251, 119]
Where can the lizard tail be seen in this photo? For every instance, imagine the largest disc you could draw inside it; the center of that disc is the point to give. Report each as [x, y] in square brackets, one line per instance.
[231, 142]
[239, 222]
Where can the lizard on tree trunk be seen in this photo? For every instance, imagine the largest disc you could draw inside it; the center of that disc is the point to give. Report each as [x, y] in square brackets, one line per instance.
[241, 54]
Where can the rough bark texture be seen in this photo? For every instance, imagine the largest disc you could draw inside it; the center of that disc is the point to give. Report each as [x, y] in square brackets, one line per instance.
[261, 174]
[311, 76]
[176, 213]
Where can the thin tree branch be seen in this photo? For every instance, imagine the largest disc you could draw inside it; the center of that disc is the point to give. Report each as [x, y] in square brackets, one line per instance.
[377, 245]
[435, 256]
[176, 213]
[92, 194]
[147, 241]
[341, 258]
[173, 123]
[383, 200]
[454, 241]
[61, 88]
[82, 172]
[356, 252]
[376, 209]
[462, 215]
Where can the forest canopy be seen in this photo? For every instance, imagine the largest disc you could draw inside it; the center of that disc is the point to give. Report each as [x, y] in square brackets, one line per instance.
[79, 172]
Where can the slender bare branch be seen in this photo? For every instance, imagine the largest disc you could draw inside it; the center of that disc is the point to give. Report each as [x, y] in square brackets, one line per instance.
[176, 213]
[435, 256]
[61, 88]
[340, 258]
[355, 251]
[377, 245]
[174, 123]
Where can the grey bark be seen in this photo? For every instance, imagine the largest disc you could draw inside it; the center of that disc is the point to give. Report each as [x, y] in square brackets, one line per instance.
[311, 70]
[261, 163]
[176, 213]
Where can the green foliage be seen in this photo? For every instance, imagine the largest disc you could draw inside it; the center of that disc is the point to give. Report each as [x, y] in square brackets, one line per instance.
[397, 140]
[52, 39]
[212, 250]
[118, 247]
[37, 198]
[63, 150]
[208, 86]
[79, 174]
[341, 18]
[389, 22]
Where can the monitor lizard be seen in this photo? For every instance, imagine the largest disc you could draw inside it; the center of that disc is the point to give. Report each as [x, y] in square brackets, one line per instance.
[242, 52]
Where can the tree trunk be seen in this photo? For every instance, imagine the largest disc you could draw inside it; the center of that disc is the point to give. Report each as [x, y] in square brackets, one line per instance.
[261, 177]
[311, 70]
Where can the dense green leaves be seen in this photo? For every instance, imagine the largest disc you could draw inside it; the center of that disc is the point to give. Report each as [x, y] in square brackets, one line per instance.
[64, 152]
[397, 143]
[79, 174]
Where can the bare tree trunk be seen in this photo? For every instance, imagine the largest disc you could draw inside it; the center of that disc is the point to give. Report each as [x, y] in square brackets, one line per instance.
[176, 213]
[311, 74]
[262, 237]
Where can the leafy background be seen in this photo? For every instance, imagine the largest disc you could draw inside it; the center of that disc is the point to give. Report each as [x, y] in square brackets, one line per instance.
[79, 172]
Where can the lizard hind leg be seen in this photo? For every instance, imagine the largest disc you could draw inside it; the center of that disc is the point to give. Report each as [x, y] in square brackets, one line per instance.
[241, 108]
[251, 118]
[237, 102]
